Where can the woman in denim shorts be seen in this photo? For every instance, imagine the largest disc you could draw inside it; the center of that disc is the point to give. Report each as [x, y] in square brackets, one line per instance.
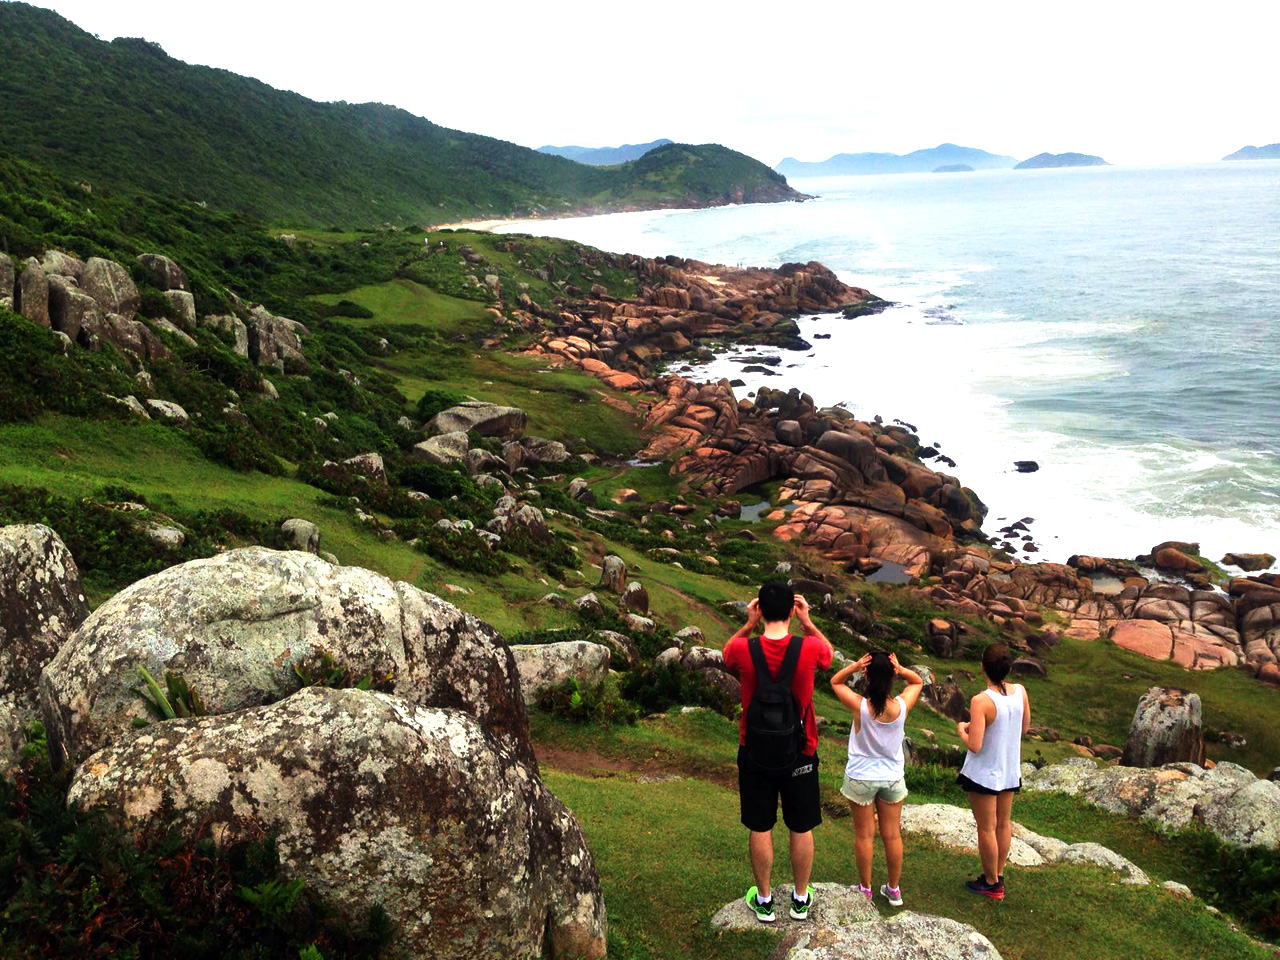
[874, 778]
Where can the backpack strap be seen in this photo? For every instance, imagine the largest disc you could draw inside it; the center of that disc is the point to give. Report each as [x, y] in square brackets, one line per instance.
[786, 671]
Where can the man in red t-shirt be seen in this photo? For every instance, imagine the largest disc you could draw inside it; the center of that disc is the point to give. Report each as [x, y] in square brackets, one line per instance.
[759, 789]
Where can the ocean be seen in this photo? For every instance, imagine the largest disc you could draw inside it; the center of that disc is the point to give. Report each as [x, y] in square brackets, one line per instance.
[1119, 325]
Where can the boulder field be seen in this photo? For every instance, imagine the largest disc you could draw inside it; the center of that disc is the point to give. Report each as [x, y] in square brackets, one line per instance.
[400, 795]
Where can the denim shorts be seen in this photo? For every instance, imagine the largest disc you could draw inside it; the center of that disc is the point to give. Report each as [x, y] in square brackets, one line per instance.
[863, 792]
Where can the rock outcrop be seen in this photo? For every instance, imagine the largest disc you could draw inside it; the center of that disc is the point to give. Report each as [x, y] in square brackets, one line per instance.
[486, 419]
[1166, 728]
[111, 287]
[41, 604]
[843, 924]
[32, 293]
[550, 664]
[375, 800]
[275, 341]
[235, 625]
[1227, 799]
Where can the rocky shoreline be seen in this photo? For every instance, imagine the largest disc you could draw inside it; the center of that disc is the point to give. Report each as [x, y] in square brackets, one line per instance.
[856, 492]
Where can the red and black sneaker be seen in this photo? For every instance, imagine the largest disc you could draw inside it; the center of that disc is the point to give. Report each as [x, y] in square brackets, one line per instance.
[994, 891]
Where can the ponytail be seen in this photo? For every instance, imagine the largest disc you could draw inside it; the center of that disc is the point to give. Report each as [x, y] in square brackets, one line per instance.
[879, 682]
[996, 664]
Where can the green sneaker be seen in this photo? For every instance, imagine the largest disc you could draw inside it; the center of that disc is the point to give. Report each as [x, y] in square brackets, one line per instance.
[800, 911]
[763, 911]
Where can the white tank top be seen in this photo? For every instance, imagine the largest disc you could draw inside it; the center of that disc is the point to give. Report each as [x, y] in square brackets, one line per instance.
[875, 751]
[998, 765]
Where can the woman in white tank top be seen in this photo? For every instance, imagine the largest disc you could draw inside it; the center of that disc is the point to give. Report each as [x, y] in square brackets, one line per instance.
[874, 777]
[992, 771]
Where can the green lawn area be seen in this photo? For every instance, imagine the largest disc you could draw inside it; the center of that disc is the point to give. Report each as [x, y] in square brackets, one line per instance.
[403, 301]
[671, 853]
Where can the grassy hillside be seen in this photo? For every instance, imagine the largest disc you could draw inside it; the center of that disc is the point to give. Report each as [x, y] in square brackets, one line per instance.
[125, 114]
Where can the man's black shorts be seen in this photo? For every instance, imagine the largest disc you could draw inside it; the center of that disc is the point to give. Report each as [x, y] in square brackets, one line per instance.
[759, 789]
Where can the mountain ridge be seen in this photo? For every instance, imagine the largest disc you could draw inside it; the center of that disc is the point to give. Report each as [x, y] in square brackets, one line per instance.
[128, 115]
[605, 156]
[1270, 151]
[1052, 160]
[918, 161]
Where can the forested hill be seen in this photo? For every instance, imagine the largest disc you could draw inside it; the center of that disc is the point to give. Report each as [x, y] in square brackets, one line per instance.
[127, 115]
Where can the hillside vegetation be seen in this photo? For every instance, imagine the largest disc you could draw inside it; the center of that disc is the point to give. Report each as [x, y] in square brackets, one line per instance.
[124, 114]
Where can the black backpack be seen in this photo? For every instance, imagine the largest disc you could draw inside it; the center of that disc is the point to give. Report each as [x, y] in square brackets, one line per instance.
[775, 728]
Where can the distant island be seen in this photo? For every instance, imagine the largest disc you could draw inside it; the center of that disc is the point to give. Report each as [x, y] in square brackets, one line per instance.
[604, 156]
[1042, 160]
[1270, 152]
[954, 168]
[919, 161]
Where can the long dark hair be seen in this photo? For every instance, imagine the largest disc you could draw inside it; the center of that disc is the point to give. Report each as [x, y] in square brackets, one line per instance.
[879, 682]
[996, 664]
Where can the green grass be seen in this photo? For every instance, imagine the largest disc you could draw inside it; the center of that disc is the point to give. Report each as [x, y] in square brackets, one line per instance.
[405, 302]
[671, 853]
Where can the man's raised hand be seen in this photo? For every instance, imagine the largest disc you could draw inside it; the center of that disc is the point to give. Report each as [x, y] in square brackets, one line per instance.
[801, 610]
[753, 612]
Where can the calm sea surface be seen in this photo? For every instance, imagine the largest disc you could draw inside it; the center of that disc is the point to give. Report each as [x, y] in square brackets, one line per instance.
[1118, 325]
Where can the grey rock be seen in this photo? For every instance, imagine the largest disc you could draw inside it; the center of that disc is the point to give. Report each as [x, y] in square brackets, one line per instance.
[478, 461]
[1179, 890]
[613, 574]
[235, 327]
[235, 625]
[486, 419]
[1226, 799]
[406, 423]
[954, 827]
[581, 491]
[790, 432]
[735, 608]
[590, 604]
[167, 536]
[369, 797]
[691, 635]
[703, 658]
[41, 605]
[907, 936]
[639, 624]
[301, 535]
[164, 273]
[667, 656]
[57, 263]
[8, 281]
[111, 287]
[269, 390]
[183, 304]
[329, 558]
[167, 410]
[445, 448]
[834, 905]
[67, 344]
[621, 647]
[1166, 728]
[135, 406]
[32, 293]
[530, 519]
[551, 664]
[70, 309]
[635, 598]
[369, 466]
[14, 721]
[171, 328]
[546, 451]
[555, 600]
[274, 341]
[1096, 853]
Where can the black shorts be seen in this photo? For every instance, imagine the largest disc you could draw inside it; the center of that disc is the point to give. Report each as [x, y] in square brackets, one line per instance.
[968, 786]
[759, 789]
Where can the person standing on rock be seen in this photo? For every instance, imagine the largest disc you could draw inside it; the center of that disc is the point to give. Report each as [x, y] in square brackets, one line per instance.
[778, 738]
[875, 776]
[992, 773]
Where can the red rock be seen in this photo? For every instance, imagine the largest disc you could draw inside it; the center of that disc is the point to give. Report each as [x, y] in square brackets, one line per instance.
[1147, 637]
[1176, 560]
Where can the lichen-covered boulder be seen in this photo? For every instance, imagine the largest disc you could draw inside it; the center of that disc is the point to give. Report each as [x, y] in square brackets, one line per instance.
[111, 286]
[234, 626]
[446, 448]
[183, 305]
[635, 598]
[1227, 799]
[32, 293]
[8, 280]
[41, 604]
[486, 419]
[230, 325]
[301, 535]
[1166, 728]
[374, 800]
[70, 309]
[613, 574]
[57, 263]
[274, 341]
[546, 665]
[165, 274]
[907, 936]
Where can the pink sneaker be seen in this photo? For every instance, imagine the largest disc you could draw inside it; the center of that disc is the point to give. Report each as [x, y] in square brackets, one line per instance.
[865, 891]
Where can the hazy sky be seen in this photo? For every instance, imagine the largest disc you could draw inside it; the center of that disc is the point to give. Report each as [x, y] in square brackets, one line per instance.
[1130, 81]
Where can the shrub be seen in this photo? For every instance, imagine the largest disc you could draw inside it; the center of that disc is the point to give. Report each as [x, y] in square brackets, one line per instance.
[655, 689]
[598, 703]
[434, 400]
